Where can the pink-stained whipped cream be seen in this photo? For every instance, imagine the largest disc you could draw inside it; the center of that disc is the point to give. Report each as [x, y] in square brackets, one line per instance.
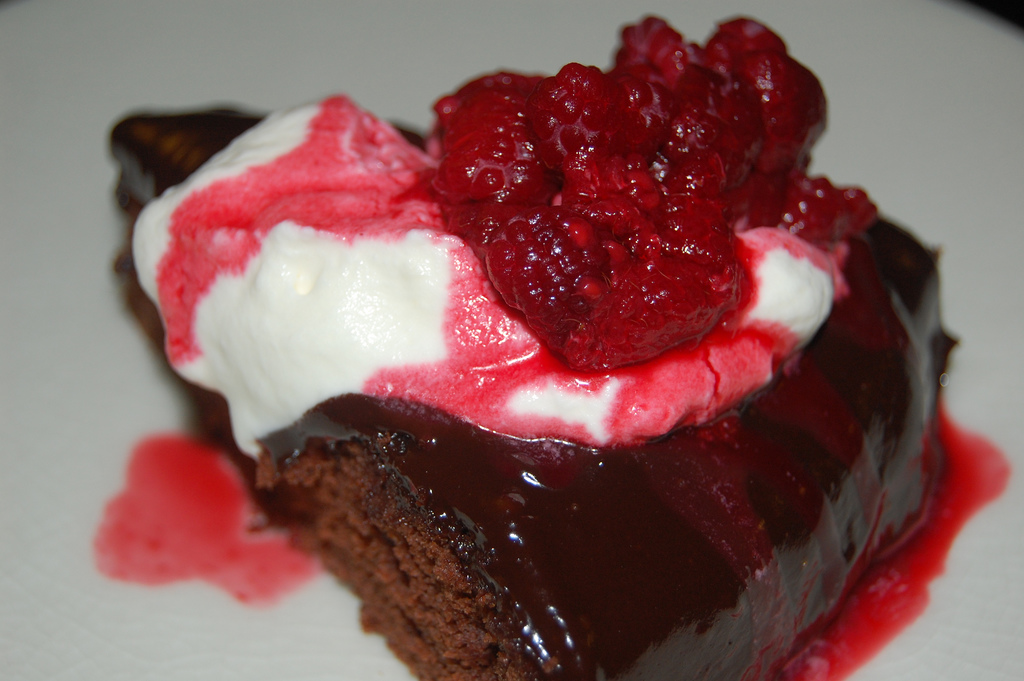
[307, 260]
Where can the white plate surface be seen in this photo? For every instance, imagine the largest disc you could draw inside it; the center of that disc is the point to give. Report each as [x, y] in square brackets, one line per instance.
[926, 110]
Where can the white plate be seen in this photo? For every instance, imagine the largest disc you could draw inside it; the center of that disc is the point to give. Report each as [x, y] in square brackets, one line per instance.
[927, 111]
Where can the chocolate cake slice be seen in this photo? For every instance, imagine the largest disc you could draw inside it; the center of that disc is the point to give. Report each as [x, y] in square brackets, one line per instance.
[708, 553]
[714, 551]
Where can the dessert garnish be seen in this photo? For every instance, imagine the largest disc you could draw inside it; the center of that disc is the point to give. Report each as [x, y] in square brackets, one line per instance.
[605, 204]
[596, 256]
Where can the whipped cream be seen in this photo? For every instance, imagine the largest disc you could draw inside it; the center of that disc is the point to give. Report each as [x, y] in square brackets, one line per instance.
[306, 261]
[304, 308]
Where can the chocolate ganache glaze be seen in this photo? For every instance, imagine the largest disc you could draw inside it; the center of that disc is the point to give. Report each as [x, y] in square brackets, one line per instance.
[714, 552]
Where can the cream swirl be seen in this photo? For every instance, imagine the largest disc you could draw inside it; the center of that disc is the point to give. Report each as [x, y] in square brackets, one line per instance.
[305, 261]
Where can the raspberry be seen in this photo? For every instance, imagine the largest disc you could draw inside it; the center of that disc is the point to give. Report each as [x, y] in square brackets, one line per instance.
[501, 166]
[510, 83]
[759, 201]
[718, 122]
[593, 178]
[584, 109]
[792, 108]
[655, 51]
[579, 109]
[824, 214]
[604, 204]
[792, 101]
[737, 37]
[601, 299]
[648, 109]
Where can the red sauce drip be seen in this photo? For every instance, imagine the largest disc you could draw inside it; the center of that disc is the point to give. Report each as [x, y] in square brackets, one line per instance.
[894, 591]
[184, 514]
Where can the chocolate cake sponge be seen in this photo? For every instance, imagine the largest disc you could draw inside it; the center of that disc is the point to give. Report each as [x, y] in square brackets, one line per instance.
[715, 552]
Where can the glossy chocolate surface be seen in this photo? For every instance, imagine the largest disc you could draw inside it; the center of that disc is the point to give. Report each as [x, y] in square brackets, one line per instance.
[713, 552]
[157, 151]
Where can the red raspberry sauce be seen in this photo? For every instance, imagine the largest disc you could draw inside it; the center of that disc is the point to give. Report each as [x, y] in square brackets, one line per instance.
[894, 591]
[184, 514]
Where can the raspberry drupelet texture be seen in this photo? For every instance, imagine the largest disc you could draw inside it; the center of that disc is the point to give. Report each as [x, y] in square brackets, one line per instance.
[604, 204]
